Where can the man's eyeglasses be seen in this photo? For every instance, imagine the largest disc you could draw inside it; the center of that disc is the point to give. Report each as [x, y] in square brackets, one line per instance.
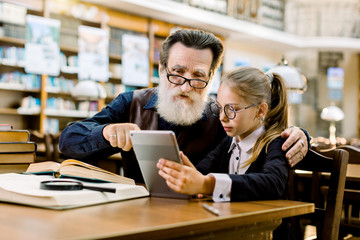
[229, 110]
[180, 80]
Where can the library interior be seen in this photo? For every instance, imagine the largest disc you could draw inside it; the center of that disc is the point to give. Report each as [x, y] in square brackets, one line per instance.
[63, 61]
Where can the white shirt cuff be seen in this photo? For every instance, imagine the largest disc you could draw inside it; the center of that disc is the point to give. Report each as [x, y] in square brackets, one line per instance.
[222, 190]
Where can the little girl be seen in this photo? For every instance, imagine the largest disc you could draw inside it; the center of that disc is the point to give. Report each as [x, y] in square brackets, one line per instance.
[249, 163]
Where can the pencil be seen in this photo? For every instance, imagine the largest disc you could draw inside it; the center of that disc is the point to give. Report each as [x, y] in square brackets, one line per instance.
[211, 209]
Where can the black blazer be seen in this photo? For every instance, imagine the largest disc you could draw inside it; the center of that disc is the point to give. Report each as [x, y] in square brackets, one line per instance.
[265, 179]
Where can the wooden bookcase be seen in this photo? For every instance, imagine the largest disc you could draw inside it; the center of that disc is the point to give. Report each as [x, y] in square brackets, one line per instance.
[154, 29]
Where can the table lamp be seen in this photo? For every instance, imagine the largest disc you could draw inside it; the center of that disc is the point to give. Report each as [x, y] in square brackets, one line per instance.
[296, 85]
[88, 90]
[294, 80]
[332, 114]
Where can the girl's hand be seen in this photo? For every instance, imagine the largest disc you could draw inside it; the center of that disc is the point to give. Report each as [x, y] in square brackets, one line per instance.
[185, 178]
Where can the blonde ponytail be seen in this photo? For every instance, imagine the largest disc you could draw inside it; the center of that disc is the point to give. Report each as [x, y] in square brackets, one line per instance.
[256, 86]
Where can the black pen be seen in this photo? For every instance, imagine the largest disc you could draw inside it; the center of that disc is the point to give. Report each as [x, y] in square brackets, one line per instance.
[211, 209]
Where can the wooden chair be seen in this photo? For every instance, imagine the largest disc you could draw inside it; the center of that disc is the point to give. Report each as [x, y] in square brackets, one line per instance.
[350, 223]
[321, 143]
[44, 145]
[327, 215]
[57, 155]
[354, 153]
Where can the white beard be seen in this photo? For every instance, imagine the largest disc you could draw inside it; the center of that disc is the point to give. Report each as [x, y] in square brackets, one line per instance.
[180, 112]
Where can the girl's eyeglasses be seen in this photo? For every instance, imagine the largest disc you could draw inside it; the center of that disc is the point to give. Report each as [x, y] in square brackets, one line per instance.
[229, 110]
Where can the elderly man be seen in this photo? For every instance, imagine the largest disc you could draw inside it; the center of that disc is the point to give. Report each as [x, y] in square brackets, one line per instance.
[188, 61]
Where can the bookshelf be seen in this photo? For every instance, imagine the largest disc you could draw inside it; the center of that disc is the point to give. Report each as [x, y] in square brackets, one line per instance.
[34, 107]
[15, 84]
[34, 93]
[229, 26]
[158, 31]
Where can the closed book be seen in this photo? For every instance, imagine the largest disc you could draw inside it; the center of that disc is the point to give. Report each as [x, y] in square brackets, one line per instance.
[77, 169]
[17, 157]
[13, 168]
[14, 136]
[25, 189]
[4, 127]
[17, 147]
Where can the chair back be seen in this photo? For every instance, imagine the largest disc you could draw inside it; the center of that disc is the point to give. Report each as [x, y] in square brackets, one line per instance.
[327, 216]
[350, 223]
[44, 145]
[55, 146]
[354, 153]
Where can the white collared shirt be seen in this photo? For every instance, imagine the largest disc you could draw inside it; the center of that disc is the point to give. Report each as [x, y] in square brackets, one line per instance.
[241, 152]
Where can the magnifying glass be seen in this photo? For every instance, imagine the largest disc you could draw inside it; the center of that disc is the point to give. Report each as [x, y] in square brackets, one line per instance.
[60, 185]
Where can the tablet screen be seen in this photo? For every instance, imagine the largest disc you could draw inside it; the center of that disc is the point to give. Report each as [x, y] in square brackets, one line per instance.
[149, 146]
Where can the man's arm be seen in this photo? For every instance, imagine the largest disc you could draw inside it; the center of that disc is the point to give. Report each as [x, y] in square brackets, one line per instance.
[297, 144]
[85, 140]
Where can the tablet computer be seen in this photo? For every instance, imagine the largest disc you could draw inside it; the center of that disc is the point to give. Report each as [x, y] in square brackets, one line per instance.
[149, 146]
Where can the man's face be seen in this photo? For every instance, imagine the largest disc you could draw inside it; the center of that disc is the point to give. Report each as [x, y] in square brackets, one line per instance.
[183, 104]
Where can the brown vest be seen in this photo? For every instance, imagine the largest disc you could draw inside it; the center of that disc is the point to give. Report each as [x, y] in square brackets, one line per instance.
[146, 119]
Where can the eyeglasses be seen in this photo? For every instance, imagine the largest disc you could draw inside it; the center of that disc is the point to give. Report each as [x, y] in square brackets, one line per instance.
[180, 80]
[229, 110]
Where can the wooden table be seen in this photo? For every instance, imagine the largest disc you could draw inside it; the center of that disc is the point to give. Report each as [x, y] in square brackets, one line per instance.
[150, 218]
[353, 173]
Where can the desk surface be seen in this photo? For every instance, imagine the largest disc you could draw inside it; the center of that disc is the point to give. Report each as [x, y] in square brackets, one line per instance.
[353, 172]
[143, 218]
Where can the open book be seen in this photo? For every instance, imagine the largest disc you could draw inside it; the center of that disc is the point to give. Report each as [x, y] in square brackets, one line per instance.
[77, 169]
[25, 189]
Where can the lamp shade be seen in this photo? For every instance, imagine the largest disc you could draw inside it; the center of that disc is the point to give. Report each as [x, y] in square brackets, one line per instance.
[332, 113]
[88, 90]
[294, 80]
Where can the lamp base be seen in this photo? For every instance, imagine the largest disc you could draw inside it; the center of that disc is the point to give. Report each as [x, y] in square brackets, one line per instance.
[332, 130]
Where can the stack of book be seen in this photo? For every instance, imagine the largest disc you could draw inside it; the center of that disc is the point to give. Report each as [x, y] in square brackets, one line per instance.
[16, 151]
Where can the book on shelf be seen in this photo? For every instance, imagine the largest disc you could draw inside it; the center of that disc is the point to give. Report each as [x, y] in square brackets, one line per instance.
[20, 81]
[14, 136]
[17, 147]
[25, 189]
[12, 158]
[30, 105]
[76, 169]
[52, 125]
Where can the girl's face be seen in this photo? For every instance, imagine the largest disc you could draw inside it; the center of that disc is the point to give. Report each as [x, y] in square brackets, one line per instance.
[245, 121]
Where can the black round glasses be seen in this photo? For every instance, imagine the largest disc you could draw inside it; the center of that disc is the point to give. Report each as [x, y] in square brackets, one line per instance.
[180, 80]
[229, 110]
